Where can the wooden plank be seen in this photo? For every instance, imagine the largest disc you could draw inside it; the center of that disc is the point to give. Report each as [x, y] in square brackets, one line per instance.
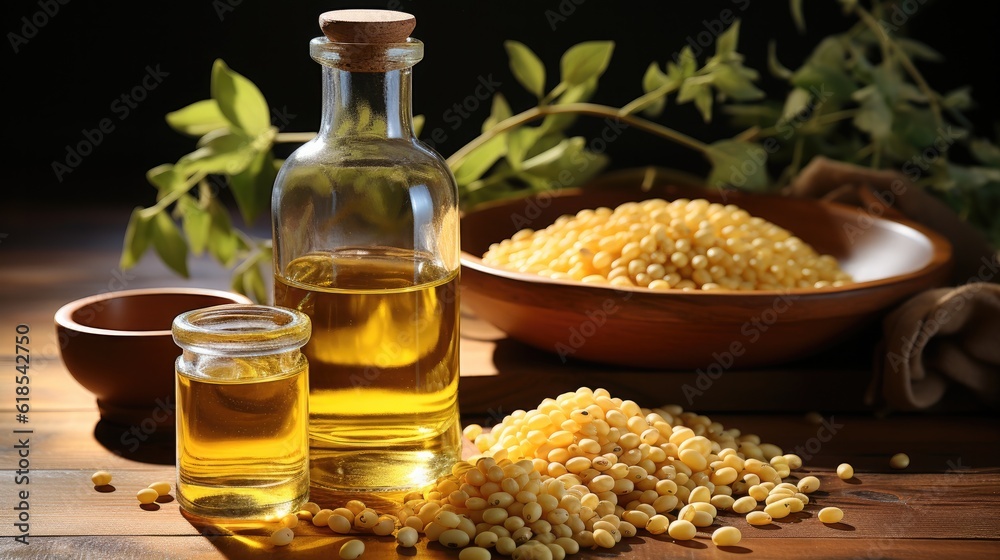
[875, 506]
[636, 548]
[77, 440]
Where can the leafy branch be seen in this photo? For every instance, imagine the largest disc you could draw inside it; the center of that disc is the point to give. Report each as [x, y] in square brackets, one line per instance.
[509, 158]
[858, 97]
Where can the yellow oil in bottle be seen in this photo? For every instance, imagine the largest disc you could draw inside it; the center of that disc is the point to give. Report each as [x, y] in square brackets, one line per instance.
[383, 361]
[242, 450]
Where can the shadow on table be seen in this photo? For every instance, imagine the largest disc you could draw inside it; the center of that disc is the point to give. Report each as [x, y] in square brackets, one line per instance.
[251, 539]
[157, 448]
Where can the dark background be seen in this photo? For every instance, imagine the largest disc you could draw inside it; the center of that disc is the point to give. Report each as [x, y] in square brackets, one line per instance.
[66, 77]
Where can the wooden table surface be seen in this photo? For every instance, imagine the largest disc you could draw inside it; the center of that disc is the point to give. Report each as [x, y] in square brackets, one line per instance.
[943, 506]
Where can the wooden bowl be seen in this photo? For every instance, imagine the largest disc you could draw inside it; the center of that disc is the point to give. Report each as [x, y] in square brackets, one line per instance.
[890, 260]
[118, 345]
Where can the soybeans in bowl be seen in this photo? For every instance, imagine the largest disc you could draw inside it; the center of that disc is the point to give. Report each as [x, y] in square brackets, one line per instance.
[651, 276]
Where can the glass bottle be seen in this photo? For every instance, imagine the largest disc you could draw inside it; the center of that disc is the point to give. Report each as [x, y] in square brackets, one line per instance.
[365, 225]
[242, 411]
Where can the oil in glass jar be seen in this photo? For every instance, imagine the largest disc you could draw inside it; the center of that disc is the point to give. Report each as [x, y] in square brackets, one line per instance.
[242, 412]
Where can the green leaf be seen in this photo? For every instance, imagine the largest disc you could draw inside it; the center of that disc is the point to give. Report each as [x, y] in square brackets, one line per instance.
[652, 80]
[228, 152]
[960, 99]
[800, 20]
[575, 94]
[545, 143]
[252, 186]
[798, 101]
[736, 82]
[170, 244]
[578, 93]
[823, 78]
[223, 243]
[830, 51]
[725, 45]
[893, 87]
[418, 124]
[745, 116]
[917, 128]
[824, 71]
[775, 66]
[739, 164]
[239, 100]
[687, 62]
[484, 157]
[874, 115]
[586, 61]
[566, 164]
[985, 151]
[527, 68]
[703, 101]
[698, 89]
[972, 177]
[198, 118]
[916, 49]
[166, 179]
[499, 111]
[519, 141]
[250, 282]
[137, 237]
[196, 223]
[481, 160]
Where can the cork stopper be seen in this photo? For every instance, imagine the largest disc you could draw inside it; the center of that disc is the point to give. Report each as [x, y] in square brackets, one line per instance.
[367, 26]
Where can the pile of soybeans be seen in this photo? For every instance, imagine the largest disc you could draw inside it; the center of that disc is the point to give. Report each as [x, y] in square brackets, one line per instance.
[679, 245]
[584, 470]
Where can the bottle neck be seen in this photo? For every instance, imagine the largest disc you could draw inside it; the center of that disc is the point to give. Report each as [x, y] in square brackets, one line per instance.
[366, 87]
[374, 104]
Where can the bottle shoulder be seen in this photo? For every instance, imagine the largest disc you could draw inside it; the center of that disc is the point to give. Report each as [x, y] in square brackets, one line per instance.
[320, 165]
[353, 151]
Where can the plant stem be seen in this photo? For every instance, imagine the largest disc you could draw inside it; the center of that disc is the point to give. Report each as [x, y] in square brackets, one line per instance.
[890, 46]
[644, 101]
[749, 135]
[836, 116]
[864, 152]
[585, 109]
[250, 242]
[172, 196]
[552, 95]
[821, 120]
[251, 260]
[797, 150]
[294, 137]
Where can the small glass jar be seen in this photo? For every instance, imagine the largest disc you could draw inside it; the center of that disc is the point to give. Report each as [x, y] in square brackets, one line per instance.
[242, 411]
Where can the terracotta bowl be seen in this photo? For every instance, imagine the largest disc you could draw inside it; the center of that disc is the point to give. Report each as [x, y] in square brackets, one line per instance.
[890, 260]
[119, 347]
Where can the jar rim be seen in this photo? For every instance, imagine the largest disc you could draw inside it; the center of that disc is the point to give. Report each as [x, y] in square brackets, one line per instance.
[241, 330]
